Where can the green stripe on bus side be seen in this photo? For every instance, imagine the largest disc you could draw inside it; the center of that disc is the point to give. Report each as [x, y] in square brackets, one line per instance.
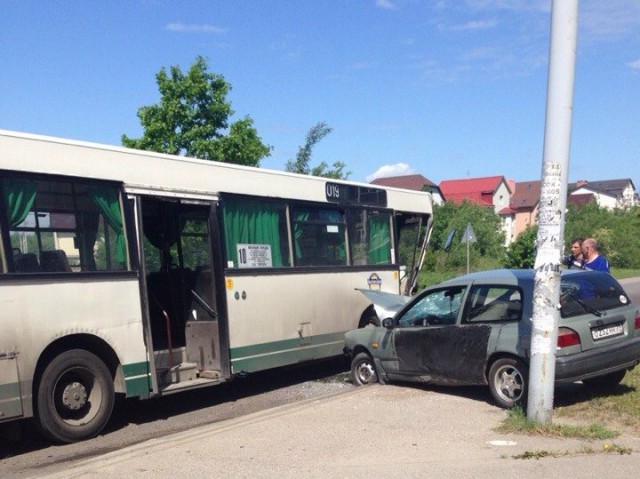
[10, 401]
[9, 390]
[137, 379]
[258, 357]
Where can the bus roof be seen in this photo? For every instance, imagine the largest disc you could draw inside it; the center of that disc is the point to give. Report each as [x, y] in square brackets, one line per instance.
[165, 174]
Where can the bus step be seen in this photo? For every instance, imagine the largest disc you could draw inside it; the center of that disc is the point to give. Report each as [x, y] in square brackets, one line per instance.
[181, 372]
[209, 374]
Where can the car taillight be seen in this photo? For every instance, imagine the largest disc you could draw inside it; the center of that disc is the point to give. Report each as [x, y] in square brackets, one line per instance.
[637, 322]
[568, 337]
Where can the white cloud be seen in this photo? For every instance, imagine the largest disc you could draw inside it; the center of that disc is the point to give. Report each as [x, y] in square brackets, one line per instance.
[399, 169]
[386, 4]
[634, 65]
[610, 20]
[194, 28]
[474, 25]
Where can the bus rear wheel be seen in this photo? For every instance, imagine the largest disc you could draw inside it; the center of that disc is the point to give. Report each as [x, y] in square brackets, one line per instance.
[75, 396]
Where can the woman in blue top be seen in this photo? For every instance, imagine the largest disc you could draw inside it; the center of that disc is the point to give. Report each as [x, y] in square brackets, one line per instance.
[592, 258]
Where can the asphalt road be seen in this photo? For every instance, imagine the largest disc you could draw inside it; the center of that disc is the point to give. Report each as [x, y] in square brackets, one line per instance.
[135, 421]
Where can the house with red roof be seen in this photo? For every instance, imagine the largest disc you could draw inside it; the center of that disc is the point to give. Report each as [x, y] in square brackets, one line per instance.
[412, 182]
[491, 191]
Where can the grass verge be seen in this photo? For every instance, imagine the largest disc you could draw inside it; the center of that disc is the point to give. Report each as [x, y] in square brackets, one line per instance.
[617, 408]
[517, 422]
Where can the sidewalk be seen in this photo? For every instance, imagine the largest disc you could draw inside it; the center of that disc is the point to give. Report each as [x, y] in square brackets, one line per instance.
[377, 431]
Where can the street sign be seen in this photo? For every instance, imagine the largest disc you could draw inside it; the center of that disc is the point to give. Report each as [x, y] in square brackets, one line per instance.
[469, 235]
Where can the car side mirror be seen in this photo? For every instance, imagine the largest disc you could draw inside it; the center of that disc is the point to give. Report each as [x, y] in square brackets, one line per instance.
[387, 323]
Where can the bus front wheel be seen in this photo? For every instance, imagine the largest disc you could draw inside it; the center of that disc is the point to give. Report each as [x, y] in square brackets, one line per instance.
[75, 396]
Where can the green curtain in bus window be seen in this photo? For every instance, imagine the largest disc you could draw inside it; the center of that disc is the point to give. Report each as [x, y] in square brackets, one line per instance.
[107, 200]
[250, 222]
[19, 197]
[379, 240]
[298, 229]
[333, 216]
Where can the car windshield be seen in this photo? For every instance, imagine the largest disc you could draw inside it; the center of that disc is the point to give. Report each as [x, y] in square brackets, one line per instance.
[435, 307]
[590, 292]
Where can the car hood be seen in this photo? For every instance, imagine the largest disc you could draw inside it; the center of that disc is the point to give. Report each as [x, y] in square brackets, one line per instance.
[385, 304]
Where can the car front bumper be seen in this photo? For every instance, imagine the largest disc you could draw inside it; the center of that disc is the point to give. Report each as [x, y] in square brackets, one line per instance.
[597, 362]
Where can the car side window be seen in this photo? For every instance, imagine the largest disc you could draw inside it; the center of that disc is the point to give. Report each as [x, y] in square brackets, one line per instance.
[434, 308]
[494, 303]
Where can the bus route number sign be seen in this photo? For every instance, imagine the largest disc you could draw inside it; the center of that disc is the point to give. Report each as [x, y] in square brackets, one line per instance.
[254, 256]
[352, 194]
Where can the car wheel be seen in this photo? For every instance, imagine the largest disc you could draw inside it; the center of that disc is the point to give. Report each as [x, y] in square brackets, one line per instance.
[363, 371]
[605, 383]
[508, 382]
[75, 396]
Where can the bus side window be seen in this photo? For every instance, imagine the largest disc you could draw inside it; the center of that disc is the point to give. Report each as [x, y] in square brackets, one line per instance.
[63, 225]
[249, 221]
[319, 237]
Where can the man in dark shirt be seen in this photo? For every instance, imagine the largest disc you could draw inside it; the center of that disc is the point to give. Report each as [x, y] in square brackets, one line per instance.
[575, 259]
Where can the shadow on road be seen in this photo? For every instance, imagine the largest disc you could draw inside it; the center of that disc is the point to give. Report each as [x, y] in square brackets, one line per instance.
[18, 438]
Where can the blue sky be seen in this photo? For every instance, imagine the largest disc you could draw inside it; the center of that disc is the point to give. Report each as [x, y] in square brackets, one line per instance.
[445, 88]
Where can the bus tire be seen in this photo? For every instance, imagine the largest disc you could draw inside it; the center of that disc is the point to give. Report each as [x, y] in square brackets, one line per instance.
[75, 396]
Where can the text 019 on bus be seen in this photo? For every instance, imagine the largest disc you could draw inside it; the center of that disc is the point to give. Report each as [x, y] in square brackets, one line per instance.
[143, 274]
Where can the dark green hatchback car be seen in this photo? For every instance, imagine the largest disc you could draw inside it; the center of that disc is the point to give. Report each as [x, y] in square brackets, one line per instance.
[476, 329]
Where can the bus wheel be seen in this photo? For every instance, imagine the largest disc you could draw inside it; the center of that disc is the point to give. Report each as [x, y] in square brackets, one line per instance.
[75, 396]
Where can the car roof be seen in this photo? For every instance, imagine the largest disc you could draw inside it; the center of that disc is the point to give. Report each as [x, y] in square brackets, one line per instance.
[509, 276]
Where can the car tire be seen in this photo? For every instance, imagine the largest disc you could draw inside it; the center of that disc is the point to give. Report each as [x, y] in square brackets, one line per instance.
[508, 382]
[363, 370]
[605, 383]
[75, 396]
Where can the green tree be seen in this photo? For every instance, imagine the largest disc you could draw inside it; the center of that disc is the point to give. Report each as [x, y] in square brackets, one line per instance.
[488, 248]
[303, 159]
[522, 252]
[192, 119]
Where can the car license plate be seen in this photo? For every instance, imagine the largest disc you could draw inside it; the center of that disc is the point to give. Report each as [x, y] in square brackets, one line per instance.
[607, 331]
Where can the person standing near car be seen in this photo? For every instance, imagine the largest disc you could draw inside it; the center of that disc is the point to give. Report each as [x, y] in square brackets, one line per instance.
[575, 259]
[592, 258]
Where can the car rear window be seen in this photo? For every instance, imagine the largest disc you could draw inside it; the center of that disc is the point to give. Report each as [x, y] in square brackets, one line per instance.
[590, 292]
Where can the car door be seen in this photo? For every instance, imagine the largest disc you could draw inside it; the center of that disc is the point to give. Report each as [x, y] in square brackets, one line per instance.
[428, 343]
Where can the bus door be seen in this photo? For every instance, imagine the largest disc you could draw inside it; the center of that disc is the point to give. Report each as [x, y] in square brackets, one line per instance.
[413, 232]
[181, 259]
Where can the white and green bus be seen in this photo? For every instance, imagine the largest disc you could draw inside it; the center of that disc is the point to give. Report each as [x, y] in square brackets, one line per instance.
[137, 273]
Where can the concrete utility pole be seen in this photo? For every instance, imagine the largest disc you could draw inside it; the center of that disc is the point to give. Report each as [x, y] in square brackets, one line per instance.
[553, 200]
